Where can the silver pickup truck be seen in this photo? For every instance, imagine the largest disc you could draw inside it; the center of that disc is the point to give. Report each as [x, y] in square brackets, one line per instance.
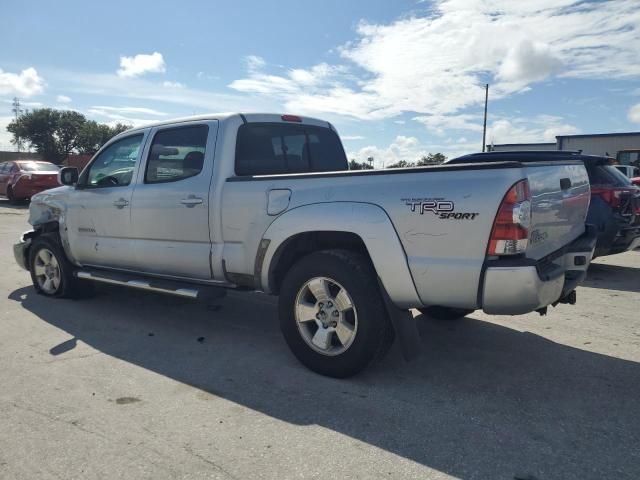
[266, 202]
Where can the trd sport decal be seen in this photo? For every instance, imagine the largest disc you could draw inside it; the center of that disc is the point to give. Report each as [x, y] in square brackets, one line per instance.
[444, 209]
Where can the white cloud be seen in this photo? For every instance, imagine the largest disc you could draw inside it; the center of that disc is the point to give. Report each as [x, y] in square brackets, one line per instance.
[141, 64]
[409, 149]
[5, 137]
[112, 118]
[351, 137]
[169, 84]
[542, 128]
[528, 62]
[63, 99]
[24, 84]
[634, 113]
[438, 124]
[191, 100]
[438, 63]
[254, 62]
[125, 110]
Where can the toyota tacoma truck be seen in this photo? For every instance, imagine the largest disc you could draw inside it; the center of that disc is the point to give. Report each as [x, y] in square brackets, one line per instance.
[266, 202]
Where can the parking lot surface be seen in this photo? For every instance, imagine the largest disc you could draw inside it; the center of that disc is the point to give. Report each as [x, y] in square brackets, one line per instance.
[135, 385]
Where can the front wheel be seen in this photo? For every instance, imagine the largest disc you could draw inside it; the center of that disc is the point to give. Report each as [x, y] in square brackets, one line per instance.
[332, 315]
[11, 196]
[51, 271]
[445, 313]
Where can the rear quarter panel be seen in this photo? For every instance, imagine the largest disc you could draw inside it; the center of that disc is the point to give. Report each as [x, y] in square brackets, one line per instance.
[444, 255]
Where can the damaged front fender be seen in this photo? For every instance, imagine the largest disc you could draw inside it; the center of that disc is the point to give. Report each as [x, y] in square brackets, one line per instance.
[48, 213]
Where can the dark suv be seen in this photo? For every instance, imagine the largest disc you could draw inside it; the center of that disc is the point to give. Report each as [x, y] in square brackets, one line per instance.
[615, 202]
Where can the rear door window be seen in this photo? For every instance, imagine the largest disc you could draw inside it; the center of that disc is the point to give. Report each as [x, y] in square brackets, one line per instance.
[274, 148]
[176, 154]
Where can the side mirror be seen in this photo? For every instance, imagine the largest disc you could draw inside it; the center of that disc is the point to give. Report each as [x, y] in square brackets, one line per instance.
[68, 176]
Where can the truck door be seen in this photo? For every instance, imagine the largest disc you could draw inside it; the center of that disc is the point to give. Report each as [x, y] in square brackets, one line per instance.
[170, 207]
[98, 217]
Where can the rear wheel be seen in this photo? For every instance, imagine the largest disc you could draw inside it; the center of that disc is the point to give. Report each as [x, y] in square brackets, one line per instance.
[332, 314]
[445, 313]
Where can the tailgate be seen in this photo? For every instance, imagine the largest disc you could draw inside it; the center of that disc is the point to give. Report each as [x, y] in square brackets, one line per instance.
[560, 197]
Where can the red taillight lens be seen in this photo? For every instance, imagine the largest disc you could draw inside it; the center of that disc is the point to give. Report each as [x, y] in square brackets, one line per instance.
[510, 234]
[611, 195]
[291, 118]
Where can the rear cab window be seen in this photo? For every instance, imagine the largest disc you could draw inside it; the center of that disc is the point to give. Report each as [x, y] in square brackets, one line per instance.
[606, 175]
[276, 148]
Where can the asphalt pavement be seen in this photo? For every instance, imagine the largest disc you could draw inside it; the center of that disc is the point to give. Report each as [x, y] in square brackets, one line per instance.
[132, 385]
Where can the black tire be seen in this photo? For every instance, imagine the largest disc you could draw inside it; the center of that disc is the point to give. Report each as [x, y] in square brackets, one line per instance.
[10, 196]
[445, 313]
[374, 333]
[69, 286]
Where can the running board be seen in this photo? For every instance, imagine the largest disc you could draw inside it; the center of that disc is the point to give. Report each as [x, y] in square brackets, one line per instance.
[151, 285]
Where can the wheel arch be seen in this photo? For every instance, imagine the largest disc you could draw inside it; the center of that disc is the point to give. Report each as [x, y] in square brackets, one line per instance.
[361, 227]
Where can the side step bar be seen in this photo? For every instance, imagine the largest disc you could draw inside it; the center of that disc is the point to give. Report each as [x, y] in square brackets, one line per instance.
[152, 285]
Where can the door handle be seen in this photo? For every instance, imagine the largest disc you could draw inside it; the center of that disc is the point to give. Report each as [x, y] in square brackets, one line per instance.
[120, 203]
[565, 183]
[191, 201]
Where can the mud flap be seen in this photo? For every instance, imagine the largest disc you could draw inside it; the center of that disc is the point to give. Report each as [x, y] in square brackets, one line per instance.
[405, 326]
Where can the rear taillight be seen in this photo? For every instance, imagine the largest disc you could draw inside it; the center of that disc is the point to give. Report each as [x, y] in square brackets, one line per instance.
[510, 234]
[291, 118]
[611, 195]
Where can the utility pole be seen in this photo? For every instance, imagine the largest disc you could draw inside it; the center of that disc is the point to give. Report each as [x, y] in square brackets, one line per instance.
[484, 127]
[16, 107]
[17, 111]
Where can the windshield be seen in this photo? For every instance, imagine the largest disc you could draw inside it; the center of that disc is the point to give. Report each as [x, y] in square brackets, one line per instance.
[38, 167]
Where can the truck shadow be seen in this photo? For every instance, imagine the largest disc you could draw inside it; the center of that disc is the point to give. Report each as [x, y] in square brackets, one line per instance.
[613, 277]
[483, 401]
[4, 204]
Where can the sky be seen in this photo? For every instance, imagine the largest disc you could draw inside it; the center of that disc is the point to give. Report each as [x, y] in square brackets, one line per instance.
[398, 79]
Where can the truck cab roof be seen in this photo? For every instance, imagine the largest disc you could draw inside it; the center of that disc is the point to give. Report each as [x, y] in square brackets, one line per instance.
[238, 116]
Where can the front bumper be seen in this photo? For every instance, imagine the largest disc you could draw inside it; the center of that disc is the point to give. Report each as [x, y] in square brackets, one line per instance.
[21, 250]
[517, 286]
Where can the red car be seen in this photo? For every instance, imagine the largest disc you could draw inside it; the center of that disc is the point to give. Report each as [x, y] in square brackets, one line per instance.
[636, 181]
[21, 179]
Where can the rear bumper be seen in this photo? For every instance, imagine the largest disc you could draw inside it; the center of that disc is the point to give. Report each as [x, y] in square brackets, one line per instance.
[517, 286]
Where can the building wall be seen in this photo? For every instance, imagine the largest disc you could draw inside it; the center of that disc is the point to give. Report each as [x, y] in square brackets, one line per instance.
[77, 160]
[608, 145]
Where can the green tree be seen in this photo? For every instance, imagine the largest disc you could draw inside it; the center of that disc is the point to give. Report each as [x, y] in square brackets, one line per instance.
[57, 133]
[354, 165]
[93, 135]
[432, 159]
[401, 164]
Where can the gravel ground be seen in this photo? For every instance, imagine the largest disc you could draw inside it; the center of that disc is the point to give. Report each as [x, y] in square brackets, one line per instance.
[133, 385]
